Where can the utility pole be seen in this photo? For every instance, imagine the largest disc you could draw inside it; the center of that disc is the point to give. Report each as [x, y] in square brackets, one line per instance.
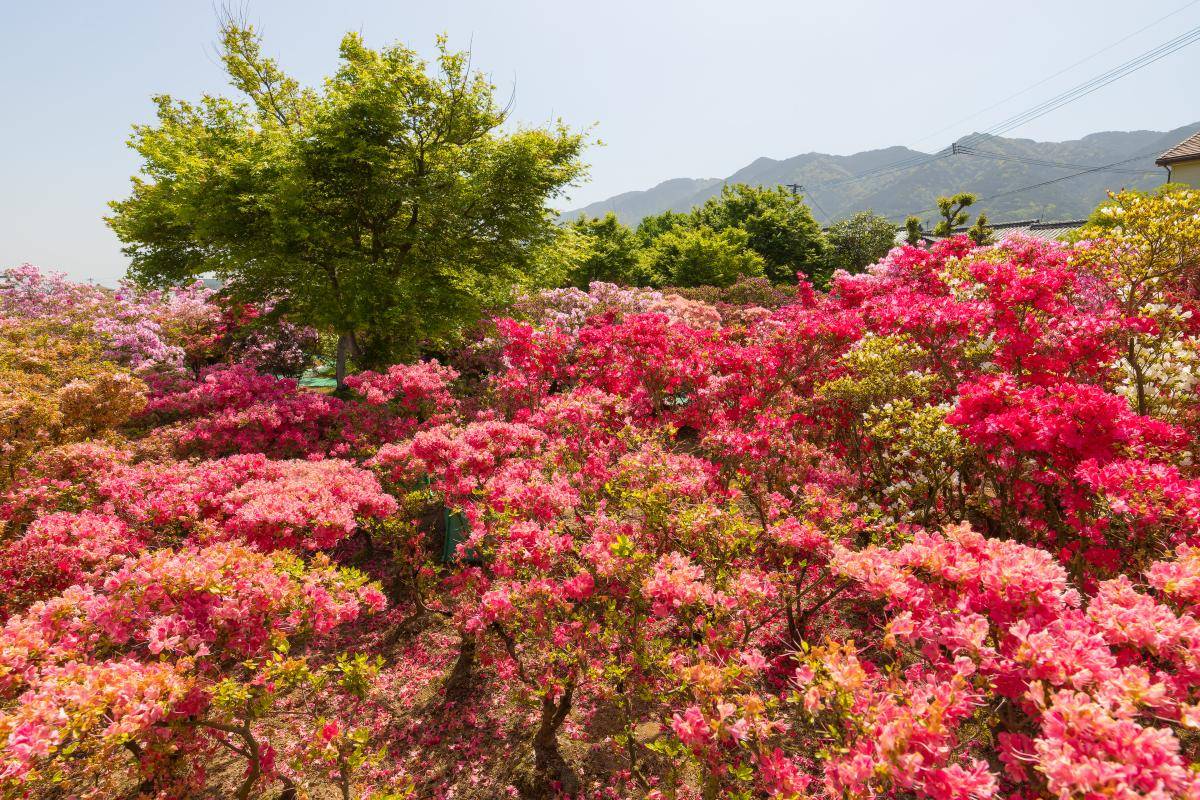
[797, 188]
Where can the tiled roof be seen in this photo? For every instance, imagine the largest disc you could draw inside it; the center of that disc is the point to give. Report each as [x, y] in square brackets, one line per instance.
[1027, 227]
[1186, 150]
[1048, 230]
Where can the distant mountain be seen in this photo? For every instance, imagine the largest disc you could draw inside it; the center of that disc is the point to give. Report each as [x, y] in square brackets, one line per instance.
[676, 193]
[993, 167]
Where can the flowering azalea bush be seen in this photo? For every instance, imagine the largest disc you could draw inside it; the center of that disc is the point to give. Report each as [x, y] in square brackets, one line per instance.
[272, 504]
[230, 410]
[57, 388]
[570, 308]
[59, 550]
[157, 659]
[934, 532]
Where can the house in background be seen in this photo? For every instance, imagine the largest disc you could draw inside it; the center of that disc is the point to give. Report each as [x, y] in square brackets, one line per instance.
[1183, 161]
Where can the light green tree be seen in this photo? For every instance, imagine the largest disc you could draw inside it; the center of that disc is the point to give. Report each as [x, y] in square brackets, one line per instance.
[1108, 218]
[980, 233]
[954, 212]
[913, 231]
[859, 241]
[779, 227]
[389, 207]
[701, 256]
[609, 252]
[655, 225]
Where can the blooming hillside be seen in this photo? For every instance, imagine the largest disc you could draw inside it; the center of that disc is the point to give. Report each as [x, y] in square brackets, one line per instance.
[932, 533]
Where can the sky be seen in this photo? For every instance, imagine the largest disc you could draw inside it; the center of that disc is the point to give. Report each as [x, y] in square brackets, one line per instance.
[666, 88]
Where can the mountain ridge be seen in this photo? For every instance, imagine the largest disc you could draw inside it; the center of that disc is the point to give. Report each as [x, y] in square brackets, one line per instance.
[836, 186]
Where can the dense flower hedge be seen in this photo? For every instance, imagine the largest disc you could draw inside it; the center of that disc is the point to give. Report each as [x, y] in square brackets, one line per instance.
[932, 533]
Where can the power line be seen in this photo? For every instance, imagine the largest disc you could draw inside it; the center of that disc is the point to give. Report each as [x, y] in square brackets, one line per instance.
[972, 151]
[887, 169]
[1088, 87]
[1049, 78]
[828, 216]
[1091, 170]
[1102, 168]
[1084, 89]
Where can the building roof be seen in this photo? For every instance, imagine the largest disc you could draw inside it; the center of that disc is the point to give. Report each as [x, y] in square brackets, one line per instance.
[1187, 150]
[1045, 230]
[1025, 227]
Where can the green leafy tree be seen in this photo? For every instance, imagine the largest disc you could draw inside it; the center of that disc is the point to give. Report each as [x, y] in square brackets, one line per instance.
[609, 252]
[655, 225]
[1104, 221]
[388, 207]
[701, 256]
[954, 212]
[913, 231]
[779, 227]
[859, 241]
[980, 233]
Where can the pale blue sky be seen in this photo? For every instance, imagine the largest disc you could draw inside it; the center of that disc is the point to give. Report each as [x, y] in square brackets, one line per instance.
[674, 88]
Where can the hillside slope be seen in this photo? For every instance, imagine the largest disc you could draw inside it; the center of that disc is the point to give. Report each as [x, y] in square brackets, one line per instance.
[835, 191]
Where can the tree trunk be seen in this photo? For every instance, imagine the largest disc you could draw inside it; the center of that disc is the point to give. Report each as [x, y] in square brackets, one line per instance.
[547, 759]
[462, 677]
[344, 346]
[254, 770]
[147, 785]
[1139, 376]
[347, 348]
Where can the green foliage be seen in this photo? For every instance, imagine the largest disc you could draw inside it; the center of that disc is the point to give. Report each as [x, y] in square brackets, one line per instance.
[778, 224]
[1103, 222]
[912, 231]
[746, 232]
[654, 226]
[354, 673]
[608, 251]
[980, 233]
[859, 241]
[701, 256]
[389, 207]
[953, 211]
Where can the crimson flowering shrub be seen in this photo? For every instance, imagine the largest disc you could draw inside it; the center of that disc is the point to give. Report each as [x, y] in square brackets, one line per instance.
[932, 533]
[420, 389]
[946, 385]
[258, 337]
[236, 409]
[232, 410]
[1071, 694]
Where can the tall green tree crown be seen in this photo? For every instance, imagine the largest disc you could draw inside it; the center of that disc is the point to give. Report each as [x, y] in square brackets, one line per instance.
[913, 231]
[701, 256]
[391, 206]
[779, 227]
[610, 254]
[859, 241]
